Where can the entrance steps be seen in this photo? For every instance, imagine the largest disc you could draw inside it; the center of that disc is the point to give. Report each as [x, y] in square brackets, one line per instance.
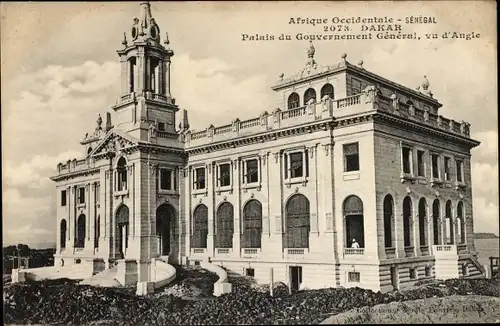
[105, 278]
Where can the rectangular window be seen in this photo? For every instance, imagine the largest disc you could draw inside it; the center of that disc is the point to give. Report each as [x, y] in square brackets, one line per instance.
[252, 171]
[428, 271]
[161, 126]
[166, 179]
[406, 160]
[250, 272]
[435, 166]
[296, 166]
[63, 197]
[353, 277]
[459, 171]
[447, 169]
[81, 195]
[199, 182]
[225, 175]
[420, 163]
[413, 273]
[351, 157]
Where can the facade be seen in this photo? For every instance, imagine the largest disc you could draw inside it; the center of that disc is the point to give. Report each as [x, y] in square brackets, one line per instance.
[354, 180]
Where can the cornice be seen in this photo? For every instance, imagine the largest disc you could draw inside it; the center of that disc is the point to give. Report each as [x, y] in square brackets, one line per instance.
[75, 174]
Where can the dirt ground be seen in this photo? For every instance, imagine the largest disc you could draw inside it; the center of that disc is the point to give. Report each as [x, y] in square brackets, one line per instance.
[453, 309]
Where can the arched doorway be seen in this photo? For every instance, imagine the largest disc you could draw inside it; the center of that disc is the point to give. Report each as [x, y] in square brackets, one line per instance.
[200, 227]
[388, 221]
[297, 222]
[436, 221]
[252, 224]
[450, 236]
[63, 234]
[165, 217]
[354, 221]
[225, 226]
[407, 228]
[122, 230]
[80, 232]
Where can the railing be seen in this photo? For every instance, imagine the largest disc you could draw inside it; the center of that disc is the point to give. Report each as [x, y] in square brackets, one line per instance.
[295, 251]
[223, 129]
[250, 123]
[198, 250]
[79, 249]
[354, 251]
[348, 101]
[390, 252]
[293, 113]
[250, 251]
[199, 134]
[409, 251]
[223, 250]
[444, 250]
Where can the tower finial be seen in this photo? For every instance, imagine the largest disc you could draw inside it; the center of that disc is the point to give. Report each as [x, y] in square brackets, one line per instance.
[124, 42]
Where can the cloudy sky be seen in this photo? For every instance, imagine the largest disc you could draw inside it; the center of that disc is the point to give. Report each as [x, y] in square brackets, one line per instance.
[60, 69]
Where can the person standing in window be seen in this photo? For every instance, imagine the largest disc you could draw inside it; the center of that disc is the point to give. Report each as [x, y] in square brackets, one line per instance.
[355, 244]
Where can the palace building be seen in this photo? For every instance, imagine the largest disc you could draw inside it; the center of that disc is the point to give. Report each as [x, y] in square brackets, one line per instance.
[354, 180]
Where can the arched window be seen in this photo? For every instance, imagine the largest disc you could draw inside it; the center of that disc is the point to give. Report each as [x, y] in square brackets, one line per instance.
[122, 174]
[309, 94]
[122, 229]
[80, 232]
[63, 234]
[293, 101]
[252, 224]
[165, 221]
[225, 226]
[461, 221]
[354, 221]
[97, 231]
[436, 221]
[327, 89]
[450, 237]
[200, 227]
[407, 229]
[154, 72]
[422, 218]
[297, 222]
[388, 221]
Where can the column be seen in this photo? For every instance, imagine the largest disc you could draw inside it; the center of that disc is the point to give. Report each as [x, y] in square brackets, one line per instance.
[237, 208]
[411, 163]
[264, 182]
[125, 72]
[167, 78]
[161, 78]
[312, 183]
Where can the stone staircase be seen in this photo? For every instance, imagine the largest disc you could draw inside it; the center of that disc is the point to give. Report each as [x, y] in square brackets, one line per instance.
[105, 278]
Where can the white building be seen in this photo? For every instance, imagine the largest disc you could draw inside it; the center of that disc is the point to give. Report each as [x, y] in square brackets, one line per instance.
[347, 155]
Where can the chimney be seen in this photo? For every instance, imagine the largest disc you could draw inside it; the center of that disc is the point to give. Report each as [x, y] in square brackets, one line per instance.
[108, 122]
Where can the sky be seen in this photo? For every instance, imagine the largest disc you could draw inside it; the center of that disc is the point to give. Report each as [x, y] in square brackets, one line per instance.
[60, 69]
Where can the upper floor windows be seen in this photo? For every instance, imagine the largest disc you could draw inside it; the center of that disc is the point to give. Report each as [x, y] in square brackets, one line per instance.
[460, 170]
[351, 157]
[357, 86]
[121, 170]
[199, 179]
[447, 168]
[293, 101]
[407, 160]
[420, 163]
[224, 175]
[63, 197]
[251, 171]
[80, 195]
[309, 94]
[167, 179]
[296, 164]
[327, 90]
[436, 174]
[161, 126]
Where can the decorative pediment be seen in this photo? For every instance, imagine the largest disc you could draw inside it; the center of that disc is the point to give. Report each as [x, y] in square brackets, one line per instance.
[113, 143]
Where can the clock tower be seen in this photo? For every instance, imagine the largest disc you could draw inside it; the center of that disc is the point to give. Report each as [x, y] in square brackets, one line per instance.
[145, 102]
